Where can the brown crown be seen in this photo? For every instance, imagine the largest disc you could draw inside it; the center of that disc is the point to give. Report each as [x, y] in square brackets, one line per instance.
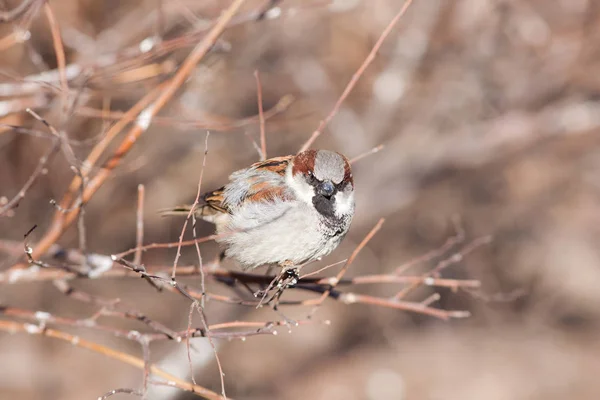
[304, 162]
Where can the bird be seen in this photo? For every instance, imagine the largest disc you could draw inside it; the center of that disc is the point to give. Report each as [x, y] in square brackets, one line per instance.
[285, 211]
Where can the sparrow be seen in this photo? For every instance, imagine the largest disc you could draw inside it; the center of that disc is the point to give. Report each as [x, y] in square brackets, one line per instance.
[285, 210]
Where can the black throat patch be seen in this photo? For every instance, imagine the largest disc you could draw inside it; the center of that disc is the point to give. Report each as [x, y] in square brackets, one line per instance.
[324, 206]
[336, 226]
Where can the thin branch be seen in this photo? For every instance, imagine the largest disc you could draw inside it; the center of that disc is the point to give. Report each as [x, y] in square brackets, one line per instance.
[356, 76]
[139, 226]
[59, 50]
[12, 327]
[421, 308]
[334, 281]
[452, 241]
[374, 150]
[191, 212]
[170, 245]
[41, 166]
[145, 343]
[453, 259]
[190, 124]
[9, 16]
[142, 123]
[121, 390]
[263, 140]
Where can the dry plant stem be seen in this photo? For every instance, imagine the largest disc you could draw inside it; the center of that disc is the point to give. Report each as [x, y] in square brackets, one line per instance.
[367, 153]
[12, 327]
[112, 308]
[170, 245]
[323, 269]
[145, 343]
[8, 16]
[356, 76]
[263, 139]
[229, 330]
[141, 125]
[60, 55]
[10, 40]
[453, 259]
[282, 105]
[72, 159]
[188, 340]
[139, 226]
[319, 285]
[120, 390]
[223, 274]
[58, 224]
[353, 298]
[190, 214]
[41, 165]
[195, 238]
[214, 348]
[129, 57]
[459, 237]
[334, 281]
[420, 280]
[200, 305]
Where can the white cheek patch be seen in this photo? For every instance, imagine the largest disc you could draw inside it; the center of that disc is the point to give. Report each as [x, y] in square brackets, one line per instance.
[344, 203]
[302, 189]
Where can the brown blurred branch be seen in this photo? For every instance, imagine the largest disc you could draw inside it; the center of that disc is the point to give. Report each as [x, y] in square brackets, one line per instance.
[325, 286]
[59, 50]
[221, 126]
[9, 16]
[41, 166]
[62, 221]
[139, 226]
[263, 139]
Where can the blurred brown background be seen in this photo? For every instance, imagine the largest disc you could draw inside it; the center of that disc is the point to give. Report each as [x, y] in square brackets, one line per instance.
[488, 110]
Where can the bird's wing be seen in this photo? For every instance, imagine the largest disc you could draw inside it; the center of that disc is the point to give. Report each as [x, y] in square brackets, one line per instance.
[263, 181]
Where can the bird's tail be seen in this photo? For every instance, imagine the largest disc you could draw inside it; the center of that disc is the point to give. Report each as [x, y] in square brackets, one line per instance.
[181, 210]
[201, 211]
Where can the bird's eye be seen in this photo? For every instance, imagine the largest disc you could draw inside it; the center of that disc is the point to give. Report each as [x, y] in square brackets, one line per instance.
[311, 178]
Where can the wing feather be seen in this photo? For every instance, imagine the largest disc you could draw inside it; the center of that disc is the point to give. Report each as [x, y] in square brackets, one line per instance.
[262, 181]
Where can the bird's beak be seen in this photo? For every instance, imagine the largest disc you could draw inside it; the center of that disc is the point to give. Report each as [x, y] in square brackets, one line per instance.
[326, 189]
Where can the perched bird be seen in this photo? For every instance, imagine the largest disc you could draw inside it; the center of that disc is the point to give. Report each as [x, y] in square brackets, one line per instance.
[286, 210]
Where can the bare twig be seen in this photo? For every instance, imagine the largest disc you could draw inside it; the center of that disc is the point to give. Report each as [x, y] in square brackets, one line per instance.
[61, 221]
[374, 150]
[190, 214]
[139, 226]
[452, 241]
[263, 140]
[220, 125]
[356, 76]
[453, 259]
[170, 245]
[145, 343]
[39, 169]
[200, 305]
[334, 281]
[10, 326]
[8, 16]
[121, 390]
[60, 55]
